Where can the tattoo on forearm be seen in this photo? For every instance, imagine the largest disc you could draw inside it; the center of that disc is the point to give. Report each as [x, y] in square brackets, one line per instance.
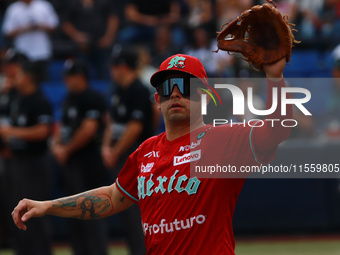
[87, 205]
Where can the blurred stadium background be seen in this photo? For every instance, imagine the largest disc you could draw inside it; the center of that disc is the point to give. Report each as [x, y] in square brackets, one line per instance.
[276, 216]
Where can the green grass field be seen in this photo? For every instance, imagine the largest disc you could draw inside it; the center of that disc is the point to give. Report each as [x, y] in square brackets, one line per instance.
[311, 247]
[289, 248]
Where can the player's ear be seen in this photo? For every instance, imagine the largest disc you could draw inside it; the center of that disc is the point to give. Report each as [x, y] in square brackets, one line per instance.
[157, 101]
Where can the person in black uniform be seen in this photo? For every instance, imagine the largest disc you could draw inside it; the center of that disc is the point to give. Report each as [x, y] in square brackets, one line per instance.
[12, 65]
[93, 39]
[131, 123]
[12, 60]
[77, 148]
[30, 173]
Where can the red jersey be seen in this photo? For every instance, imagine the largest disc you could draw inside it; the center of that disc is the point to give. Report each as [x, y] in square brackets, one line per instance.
[183, 214]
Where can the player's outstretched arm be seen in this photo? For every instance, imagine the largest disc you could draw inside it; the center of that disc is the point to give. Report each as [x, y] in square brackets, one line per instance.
[274, 72]
[93, 204]
[268, 137]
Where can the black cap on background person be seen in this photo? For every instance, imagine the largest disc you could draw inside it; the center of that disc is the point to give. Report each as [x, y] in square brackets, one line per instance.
[76, 75]
[14, 56]
[76, 67]
[124, 56]
[27, 80]
[12, 64]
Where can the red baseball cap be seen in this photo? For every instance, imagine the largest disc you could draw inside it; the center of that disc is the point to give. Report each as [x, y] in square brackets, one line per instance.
[178, 63]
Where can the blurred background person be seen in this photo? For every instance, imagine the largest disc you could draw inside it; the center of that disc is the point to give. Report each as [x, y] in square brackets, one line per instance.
[307, 18]
[145, 16]
[315, 19]
[331, 117]
[201, 12]
[3, 45]
[26, 135]
[145, 68]
[202, 47]
[330, 21]
[11, 67]
[28, 23]
[76, 147]
[226, 11]
[131, 118]
[92, 26]
[162, 46]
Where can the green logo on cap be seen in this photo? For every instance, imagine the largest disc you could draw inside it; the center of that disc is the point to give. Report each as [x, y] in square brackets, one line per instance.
[177, 61]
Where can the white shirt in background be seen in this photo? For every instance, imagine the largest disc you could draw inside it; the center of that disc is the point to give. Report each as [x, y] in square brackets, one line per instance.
[35, 44]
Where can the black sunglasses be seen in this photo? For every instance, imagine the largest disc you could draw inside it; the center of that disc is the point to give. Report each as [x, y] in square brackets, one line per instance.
[167, 86]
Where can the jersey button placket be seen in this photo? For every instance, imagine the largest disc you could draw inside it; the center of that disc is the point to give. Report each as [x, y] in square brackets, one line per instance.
[167, 149]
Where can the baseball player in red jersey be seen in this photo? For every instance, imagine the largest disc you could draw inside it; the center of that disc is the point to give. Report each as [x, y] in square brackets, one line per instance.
[181, 214]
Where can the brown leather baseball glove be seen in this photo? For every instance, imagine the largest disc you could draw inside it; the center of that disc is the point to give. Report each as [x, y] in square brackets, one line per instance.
[270, 36]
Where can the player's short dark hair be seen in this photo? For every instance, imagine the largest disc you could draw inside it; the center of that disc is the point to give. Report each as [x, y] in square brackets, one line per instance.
[124, 55]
